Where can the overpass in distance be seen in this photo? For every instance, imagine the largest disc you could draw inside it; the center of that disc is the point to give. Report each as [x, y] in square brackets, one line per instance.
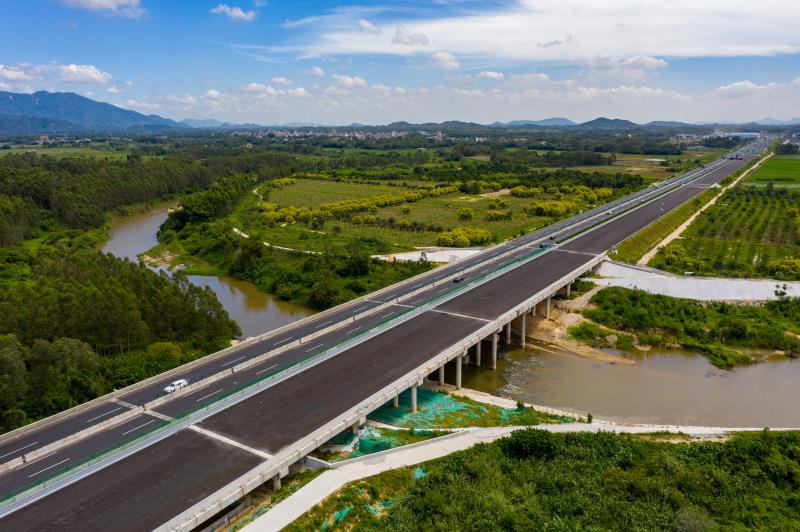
[138, 460]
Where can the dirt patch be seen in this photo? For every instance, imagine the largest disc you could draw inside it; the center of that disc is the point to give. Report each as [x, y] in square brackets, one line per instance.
[497, 193]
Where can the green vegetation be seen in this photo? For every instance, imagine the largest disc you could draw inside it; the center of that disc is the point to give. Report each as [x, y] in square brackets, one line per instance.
[635, 247]
[535, 480]
[780, 170]
[749, 232]
[726, 334]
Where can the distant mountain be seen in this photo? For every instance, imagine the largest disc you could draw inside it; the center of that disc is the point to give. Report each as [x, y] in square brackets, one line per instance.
[555, 121]
[776, 122]
[668, 124]
[67, 112]
[608, 123]
[204, 123]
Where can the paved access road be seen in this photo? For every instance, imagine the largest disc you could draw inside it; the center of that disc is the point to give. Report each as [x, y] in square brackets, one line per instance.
[289, 410]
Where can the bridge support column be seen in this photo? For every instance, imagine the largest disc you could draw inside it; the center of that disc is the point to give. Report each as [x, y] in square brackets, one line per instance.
[547, 311]
[478, 353]
[441, 375]
[396, 401]
[494, 351]
[569, 287]
[459, 362]
[276, 482]
[522, 329]
[533, 310]
[508, 333]
[414, 398]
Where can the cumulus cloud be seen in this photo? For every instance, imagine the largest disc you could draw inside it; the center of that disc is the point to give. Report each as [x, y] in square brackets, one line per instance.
[142, 105]
[125, 8]
[234, 12]
[634, 67]
[316, 71]
[407, 38]
[113, 89]
[11, 73]
[82, 74]
[445, 61]
[349, 81]
[491, 74]
[740, 89]
[368, 27]
[280, 80]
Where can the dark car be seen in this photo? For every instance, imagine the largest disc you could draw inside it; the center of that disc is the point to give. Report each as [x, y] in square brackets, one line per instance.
[458, 279]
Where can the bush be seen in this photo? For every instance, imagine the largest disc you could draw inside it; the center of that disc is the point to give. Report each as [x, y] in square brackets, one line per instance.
[529, 443]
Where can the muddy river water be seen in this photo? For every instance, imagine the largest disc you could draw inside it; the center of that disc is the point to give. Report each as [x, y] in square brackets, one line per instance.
[662, 387]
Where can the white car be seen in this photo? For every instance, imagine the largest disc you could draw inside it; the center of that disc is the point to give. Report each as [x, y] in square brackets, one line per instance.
[174, 386]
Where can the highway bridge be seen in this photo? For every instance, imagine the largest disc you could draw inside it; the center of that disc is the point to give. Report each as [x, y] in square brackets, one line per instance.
[137, 459]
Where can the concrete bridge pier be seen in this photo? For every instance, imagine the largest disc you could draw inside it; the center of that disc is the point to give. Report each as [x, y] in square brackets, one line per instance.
[396, 401]
[276, 482]
[547, 309]
[459, 362]
[569, 288]
[508, 332]
[414, 398]
[494, 351]
[441, 375]
[522, 329]
[478, 353]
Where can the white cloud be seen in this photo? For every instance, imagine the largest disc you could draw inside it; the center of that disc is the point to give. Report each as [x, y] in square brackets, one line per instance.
[11, 73]
[299, 91]
[741, 89]
[212, 93]
[129, 83]
[259, 88]
[82, 74]
[125, 8]
[445, 61]
[531, 77]
[280, 80]
[317, 71]
[234, 12]
[4, 86]
[491, 74]
[142, 106]
[349, 81]
[368, 27]
[407, 38]
[634, 67]
[113, 89]
[580, 30]
[260, 3]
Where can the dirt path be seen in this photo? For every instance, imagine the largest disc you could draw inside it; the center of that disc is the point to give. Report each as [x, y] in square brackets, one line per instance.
[647, 257]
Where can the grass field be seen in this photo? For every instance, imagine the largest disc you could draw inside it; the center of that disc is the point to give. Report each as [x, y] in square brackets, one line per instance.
[313, 193]
[650, 168]
[780, 170]
[739, 236]
[335, 235]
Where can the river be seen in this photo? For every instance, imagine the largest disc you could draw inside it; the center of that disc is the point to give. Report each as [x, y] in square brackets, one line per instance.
[662, 387]
[255, 311]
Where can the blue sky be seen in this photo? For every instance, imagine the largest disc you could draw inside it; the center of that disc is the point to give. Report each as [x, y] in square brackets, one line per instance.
[332, 62]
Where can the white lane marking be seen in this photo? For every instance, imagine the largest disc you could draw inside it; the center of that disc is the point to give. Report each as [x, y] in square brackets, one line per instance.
[103, 415]
[325, 323]
[45, 457]
[443, 289]
[140, 426]
[265, 369]
[232, 361]
[353, 330]
[312, 348]
[49, 467]
[208, 395]
[283, 341]
[17, 450]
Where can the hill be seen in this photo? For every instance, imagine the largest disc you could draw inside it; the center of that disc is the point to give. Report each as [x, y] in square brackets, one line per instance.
[608, 123]
[67, 112]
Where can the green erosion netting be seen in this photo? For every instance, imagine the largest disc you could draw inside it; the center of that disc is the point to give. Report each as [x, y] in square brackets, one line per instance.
[433, 410]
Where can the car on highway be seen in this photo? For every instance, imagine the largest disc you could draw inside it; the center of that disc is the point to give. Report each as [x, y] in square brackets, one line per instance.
[458, 279]
[174, 386]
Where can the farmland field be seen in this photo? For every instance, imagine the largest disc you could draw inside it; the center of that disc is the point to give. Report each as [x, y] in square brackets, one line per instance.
[780, 170]
[650, 167]
[749, 232]
[315, 192]
[68, 151]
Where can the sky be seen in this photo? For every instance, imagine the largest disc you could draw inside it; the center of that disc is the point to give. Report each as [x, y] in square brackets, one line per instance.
[337, 62]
